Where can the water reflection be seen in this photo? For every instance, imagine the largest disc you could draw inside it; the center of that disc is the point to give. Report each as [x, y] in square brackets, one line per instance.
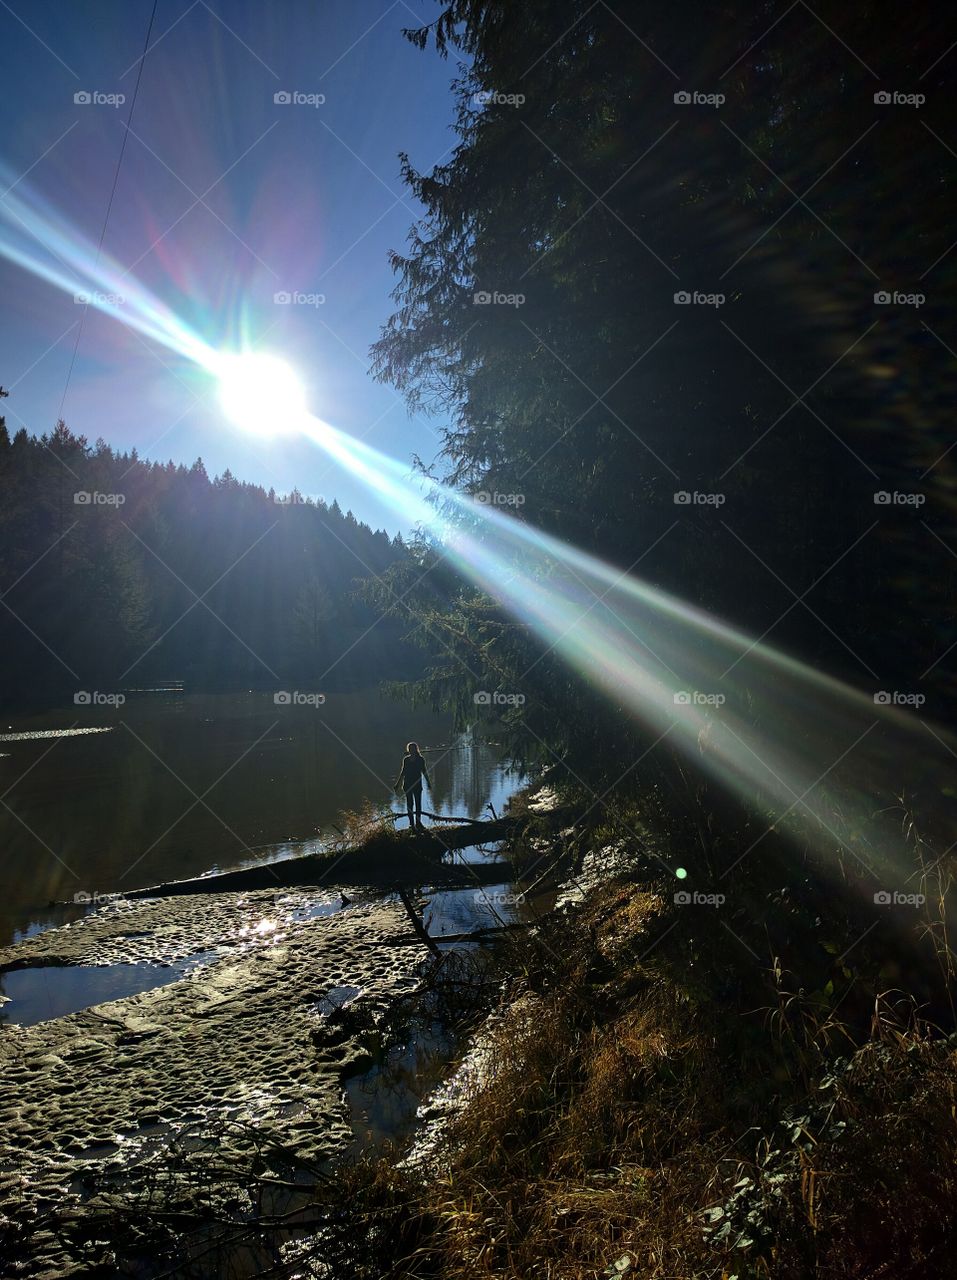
[384, 1100]
[171, 785]
[39, 735]
[32, 995]
[475, 777]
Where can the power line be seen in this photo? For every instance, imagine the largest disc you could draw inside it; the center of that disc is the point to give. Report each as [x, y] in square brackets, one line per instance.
[109, 207]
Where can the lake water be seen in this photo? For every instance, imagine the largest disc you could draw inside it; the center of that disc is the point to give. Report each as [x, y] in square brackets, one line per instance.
[175, 785]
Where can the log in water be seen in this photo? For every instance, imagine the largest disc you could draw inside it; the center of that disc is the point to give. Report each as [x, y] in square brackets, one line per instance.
[404, 855]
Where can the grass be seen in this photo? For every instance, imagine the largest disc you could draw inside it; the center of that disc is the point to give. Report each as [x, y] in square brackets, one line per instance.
[768, 1092]
[366, 830]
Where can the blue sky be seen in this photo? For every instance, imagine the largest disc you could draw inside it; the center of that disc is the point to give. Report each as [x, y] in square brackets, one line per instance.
[296, 199]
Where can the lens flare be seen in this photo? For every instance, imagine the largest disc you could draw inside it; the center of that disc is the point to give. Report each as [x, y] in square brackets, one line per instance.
[36, 237]
[801, 747]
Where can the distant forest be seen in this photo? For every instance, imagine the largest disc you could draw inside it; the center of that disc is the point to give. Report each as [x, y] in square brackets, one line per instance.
[117, 572]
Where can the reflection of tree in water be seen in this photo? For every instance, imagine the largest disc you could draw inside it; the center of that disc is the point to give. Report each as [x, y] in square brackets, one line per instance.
[468, 773]
[384, 1100]
[411, 1056]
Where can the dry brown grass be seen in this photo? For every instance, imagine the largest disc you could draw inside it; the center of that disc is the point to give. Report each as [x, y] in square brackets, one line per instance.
[364, 828]
[609, 1127]
[577, 1147]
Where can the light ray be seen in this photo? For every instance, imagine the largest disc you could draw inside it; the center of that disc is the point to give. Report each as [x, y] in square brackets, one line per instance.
[787, 738]
[39, 239]
[793, 742]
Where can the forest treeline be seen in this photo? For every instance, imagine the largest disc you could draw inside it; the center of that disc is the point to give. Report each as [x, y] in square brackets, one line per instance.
[117, 572]
[683, 291]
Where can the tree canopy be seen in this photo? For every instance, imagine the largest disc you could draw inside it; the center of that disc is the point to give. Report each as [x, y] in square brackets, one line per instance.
[651, 268]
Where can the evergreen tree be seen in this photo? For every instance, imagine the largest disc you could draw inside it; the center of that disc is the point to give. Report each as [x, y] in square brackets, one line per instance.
[536, 309]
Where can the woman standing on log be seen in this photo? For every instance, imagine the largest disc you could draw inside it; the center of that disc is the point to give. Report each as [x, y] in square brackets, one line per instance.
[409, 781]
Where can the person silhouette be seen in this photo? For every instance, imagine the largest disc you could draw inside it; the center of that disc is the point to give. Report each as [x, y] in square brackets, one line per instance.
[409, 782]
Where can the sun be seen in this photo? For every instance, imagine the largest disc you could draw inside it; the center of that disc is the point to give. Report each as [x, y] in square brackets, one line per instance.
[261, 393]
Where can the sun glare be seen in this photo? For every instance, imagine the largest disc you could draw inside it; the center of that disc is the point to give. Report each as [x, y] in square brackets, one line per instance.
[261, 393]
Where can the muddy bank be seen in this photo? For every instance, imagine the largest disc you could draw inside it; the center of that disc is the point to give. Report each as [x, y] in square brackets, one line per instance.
[162, 931]
[251, 1042]
[247, 1071]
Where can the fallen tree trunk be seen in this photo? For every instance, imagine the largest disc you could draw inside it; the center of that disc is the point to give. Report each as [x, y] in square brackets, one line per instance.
[438, 817]
[412, 855]
[480, 935]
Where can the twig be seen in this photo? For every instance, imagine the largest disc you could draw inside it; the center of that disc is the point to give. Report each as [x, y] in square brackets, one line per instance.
[417, 924]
